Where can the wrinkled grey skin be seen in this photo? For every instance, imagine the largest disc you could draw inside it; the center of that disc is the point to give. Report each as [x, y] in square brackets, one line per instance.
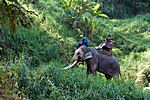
[105, 64]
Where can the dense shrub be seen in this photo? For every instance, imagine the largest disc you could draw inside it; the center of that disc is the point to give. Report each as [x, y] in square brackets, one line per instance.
[124, 8]
[50, 81]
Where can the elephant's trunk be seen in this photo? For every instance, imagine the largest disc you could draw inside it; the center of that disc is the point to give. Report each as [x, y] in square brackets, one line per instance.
[70, 66]
[74, 58]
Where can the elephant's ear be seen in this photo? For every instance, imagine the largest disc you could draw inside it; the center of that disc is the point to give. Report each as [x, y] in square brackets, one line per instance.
[88, 55]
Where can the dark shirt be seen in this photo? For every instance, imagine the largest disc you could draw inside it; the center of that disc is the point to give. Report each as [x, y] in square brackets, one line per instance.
[84, 41]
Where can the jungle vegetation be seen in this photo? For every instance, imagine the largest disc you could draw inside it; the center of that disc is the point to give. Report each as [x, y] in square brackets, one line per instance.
[37, 38]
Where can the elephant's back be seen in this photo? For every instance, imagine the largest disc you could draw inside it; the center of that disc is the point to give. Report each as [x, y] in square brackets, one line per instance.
[108, 58]
[109, 65]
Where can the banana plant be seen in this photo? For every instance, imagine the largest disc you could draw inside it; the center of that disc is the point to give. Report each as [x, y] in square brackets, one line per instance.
[79, 15]
[98, 13]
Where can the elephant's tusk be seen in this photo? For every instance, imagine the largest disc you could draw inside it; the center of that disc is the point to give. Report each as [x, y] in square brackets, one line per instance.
[70, 66]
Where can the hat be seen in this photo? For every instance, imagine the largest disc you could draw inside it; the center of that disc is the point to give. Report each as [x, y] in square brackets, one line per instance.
[81, 36]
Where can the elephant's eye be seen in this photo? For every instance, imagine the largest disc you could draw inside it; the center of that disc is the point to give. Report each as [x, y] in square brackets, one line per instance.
[78, 53]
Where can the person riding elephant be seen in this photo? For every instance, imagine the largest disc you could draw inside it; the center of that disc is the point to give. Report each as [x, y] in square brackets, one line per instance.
[84, 41]
[107, 45]
[108, 65]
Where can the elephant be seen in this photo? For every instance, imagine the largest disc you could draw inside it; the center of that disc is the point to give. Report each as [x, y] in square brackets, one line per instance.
[96, 61]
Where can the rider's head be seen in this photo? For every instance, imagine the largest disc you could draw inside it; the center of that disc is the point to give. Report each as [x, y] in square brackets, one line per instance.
[81, 36]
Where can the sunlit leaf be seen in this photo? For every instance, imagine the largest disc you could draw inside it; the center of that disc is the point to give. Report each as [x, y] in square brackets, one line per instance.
[96, 7]
[89, 5]
[70, 2]
[64, 2]
[103, 15]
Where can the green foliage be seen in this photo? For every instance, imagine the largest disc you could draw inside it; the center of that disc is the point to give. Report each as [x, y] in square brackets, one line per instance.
[124, 8]
[8, 85]
[11, 14]
[51, 82]
[34, 44]
[130, 35]
[134, 63]
[34, 58]
[79, 15]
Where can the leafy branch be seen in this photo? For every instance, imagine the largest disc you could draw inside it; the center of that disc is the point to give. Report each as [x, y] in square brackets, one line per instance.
[79, 15]
[12, 13]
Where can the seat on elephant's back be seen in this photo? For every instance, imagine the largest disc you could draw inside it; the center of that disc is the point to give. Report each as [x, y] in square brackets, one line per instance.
[104, 52]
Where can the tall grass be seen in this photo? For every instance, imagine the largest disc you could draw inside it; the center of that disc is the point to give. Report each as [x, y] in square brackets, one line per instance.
[51, 82]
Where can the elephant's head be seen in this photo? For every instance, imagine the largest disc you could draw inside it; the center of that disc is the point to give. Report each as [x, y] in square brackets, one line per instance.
[80, 54]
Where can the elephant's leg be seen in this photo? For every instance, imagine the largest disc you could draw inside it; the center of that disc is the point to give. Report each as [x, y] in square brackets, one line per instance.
[91, 66]
[88, 71]
[108, 77]
[93, 69]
